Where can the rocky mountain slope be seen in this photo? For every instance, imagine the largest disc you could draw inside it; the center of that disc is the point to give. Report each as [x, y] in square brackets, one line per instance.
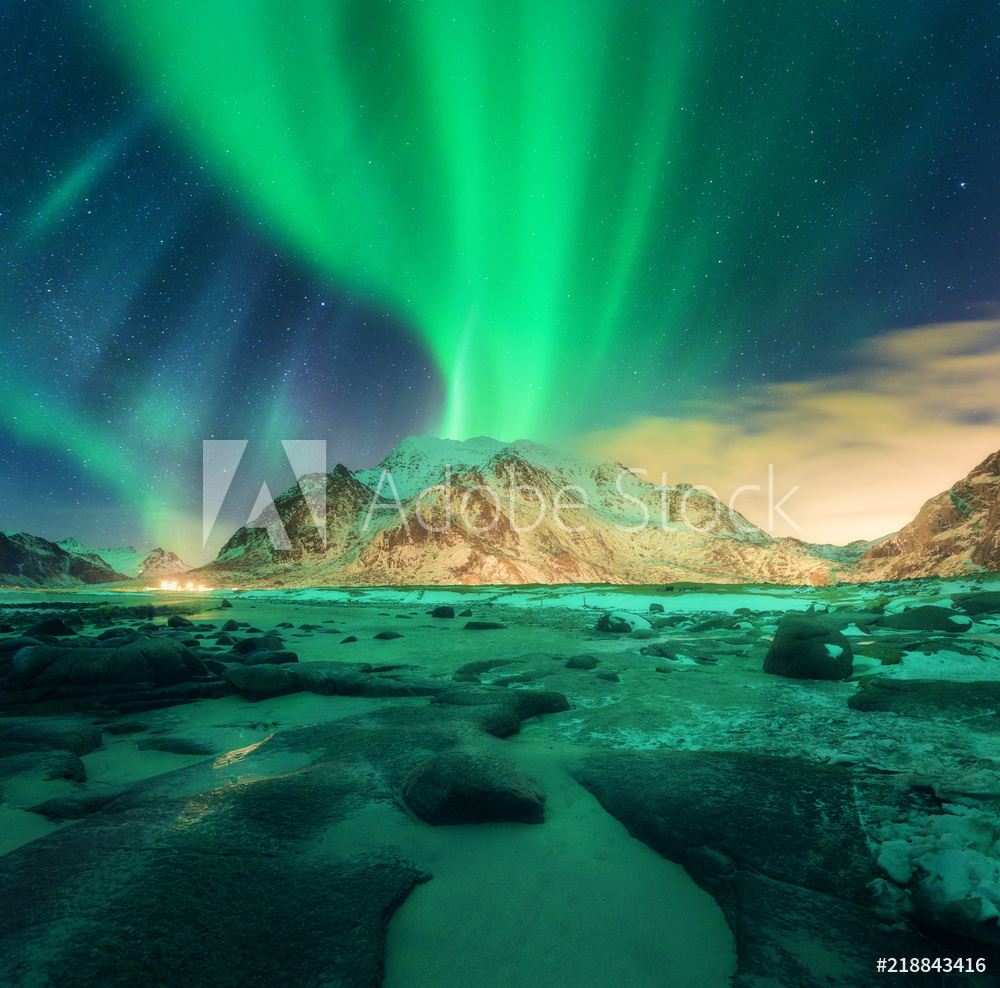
[486, 512]
[30, 561]
[482, 511]
[133, 563]
[955, 533]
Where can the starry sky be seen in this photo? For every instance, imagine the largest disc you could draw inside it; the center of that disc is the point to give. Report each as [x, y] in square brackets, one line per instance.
[700, 237]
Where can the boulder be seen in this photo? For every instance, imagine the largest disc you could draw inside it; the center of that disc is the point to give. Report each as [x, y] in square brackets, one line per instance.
[644, 633]
[976, 704]
[984, 602]
[247, 645]
[161, 662]
[56, 627]
[458, 787]
[927, 618]
[779, 843]
[273, 658]
[141, 675]
[23, 734]
[261, 682]
[804, 647]
[621, 622]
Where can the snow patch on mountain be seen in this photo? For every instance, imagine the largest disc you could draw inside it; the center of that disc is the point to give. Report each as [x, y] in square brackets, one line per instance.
[129, 561]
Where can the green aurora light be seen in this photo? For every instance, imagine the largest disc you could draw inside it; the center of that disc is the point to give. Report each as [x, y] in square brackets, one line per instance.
[495, 174]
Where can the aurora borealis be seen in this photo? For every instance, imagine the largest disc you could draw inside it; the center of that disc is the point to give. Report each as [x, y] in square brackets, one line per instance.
[624, 226]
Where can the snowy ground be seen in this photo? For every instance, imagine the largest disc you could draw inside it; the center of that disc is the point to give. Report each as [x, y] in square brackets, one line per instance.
[712, 695]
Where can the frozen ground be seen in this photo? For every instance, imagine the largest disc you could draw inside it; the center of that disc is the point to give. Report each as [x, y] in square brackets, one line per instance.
[579, 900]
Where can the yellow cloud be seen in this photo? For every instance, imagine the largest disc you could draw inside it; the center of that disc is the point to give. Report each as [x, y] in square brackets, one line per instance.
[866, 447]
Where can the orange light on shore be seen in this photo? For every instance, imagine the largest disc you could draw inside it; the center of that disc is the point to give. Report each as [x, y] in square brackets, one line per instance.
[183, 587]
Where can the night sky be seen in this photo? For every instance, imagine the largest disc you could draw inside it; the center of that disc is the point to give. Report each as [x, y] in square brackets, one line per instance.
[699, 237]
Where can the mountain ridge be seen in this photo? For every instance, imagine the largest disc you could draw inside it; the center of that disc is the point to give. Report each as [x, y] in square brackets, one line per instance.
[443, 511]
[483, 511]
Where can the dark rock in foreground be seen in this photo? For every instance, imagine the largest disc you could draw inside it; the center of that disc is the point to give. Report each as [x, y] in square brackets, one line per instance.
[928, 618]
[778, 844]
[24, 734]
[805, 647]
[983, 602]
[132, 677]
[214, 902]
[462, 787]
[932, 698]
[208, 876]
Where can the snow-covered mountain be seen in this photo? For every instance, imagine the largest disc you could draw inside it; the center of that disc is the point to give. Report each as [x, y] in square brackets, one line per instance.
[445, 512]
[955, 533]
[482, 511]
[29, 561]
[132, 563]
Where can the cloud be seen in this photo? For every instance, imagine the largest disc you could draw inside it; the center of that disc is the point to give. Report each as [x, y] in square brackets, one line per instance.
[912, 412]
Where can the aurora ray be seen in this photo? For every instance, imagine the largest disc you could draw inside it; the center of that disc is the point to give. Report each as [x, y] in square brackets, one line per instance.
[454, 160]
[360, 221]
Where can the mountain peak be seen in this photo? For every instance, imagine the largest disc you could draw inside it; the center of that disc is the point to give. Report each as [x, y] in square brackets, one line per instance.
[954, 533]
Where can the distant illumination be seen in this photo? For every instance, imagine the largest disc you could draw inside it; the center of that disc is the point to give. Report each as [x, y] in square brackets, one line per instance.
[173, 585]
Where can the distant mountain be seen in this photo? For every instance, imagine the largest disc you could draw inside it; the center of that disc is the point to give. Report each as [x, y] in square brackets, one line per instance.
[489, 515]
[955, 533]
[30, 561]
[133, 563]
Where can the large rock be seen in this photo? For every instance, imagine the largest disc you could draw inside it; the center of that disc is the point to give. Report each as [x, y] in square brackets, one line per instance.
[232, 875]
[233, 895]
[56, 627]
[927, 618]
[23, 734]
[142, 675]
[621, 622]
[249, 645]
[780, 844]
[160, 661]
[976, 704]
[464, 787]
[805, 647]
[983, 602]
[261, 682]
